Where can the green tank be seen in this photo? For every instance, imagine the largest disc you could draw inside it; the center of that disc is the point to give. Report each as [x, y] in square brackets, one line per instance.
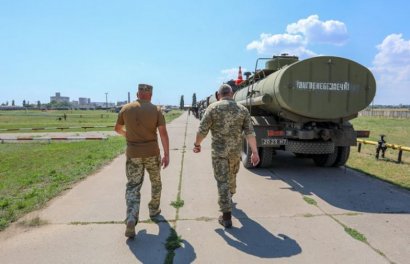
[304, 107]
[319, 88]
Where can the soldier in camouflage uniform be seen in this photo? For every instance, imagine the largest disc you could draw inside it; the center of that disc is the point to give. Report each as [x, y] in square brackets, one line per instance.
[138, 122]
[228, 121]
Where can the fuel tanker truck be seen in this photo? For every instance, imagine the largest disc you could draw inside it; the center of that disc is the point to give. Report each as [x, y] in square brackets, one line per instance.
[304, 107]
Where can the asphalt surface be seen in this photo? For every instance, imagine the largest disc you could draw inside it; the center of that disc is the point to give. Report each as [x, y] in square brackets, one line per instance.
[273, 222]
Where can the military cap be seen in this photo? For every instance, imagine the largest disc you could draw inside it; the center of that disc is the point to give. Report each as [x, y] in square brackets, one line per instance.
[145, 87]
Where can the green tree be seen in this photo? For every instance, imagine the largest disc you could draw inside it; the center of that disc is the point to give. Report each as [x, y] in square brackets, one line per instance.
[38, 104]
[181, 103]
[194, 99]
[59, 105]
[12, 102]
[24, 102]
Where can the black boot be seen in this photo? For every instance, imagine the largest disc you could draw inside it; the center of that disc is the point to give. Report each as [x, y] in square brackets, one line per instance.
[130, 229]
[225, 220]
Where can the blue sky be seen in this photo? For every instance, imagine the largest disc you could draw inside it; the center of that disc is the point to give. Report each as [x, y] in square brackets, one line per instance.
[87, 48]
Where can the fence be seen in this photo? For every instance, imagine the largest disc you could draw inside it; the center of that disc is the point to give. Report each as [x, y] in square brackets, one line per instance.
[386, 113]
[387, 145]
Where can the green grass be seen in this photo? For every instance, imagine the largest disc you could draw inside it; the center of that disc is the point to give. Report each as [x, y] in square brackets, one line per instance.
[33, 173]
[397, 131]
[173, 242]
[49, 119]
[355, 234]
[75, 118]
[178, 203]
[309, 200]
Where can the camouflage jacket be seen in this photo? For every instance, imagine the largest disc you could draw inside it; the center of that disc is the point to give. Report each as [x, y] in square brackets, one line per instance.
[227, 120]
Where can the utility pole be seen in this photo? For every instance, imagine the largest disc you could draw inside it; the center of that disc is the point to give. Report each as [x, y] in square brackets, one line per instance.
[106, 101]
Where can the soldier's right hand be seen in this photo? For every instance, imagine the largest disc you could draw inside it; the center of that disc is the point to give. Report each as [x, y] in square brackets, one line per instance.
[197, 148]
[255, 159]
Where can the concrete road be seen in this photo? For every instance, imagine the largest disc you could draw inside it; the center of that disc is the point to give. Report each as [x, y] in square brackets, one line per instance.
[273, 222]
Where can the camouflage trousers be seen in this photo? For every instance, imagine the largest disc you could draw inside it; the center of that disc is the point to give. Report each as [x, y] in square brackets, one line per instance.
[225, 170]
[135, 168]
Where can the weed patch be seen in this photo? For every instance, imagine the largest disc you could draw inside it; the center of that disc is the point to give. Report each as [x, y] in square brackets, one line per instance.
[173, 242]
[309, 200]
[33, 222]
[308, 215]
[178, 203]
[355, 234]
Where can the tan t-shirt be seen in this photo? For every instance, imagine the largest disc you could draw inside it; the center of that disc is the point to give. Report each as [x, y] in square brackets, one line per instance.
[141, 119]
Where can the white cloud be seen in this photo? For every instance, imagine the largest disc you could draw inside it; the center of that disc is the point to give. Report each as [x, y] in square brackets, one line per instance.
[230, 74]
[267, 41]
[316, 31]
[299, 35]
[391, 67]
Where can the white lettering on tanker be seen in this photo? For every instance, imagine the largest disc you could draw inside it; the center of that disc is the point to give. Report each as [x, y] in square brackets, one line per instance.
[325, 86]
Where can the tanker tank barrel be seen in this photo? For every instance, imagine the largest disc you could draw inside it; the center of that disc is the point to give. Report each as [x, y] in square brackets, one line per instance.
[317, 88]
[256, 101]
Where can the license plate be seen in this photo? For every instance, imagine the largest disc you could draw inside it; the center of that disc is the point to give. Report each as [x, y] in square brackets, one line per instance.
[273, 141]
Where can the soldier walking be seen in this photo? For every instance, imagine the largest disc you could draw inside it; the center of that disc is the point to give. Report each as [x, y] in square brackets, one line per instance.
[227, 120]
[138, 122]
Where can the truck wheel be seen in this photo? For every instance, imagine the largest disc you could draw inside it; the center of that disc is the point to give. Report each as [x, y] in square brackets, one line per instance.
[266, 156]
[246, 155]
[326, 160]
[342, 156]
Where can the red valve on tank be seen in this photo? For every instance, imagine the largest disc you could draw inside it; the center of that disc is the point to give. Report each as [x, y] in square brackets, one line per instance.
[240, 79]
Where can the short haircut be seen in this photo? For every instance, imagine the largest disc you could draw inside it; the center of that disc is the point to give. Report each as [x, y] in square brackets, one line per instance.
[144, 88]
[225, 90]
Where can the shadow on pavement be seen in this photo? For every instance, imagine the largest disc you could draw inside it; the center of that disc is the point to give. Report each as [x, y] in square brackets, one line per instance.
[150, 248]
[340, 187]
[253, 239]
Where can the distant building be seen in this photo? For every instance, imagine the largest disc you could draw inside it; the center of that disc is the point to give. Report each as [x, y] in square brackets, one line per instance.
[84, 101]
[120, 103]
[59, 99]
[103, 104]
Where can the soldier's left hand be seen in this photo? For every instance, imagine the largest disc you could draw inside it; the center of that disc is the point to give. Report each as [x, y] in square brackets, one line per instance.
[165, 161]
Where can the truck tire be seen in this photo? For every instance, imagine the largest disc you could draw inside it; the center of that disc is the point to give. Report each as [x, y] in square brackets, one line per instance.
[326, 160]
[310, 147]
[342, 156]
[246, 155]
[266, 156]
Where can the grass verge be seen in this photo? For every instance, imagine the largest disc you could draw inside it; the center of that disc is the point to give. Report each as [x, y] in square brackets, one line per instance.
[384, 169]
[33, 173]
[397, 131]
[53, 119]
